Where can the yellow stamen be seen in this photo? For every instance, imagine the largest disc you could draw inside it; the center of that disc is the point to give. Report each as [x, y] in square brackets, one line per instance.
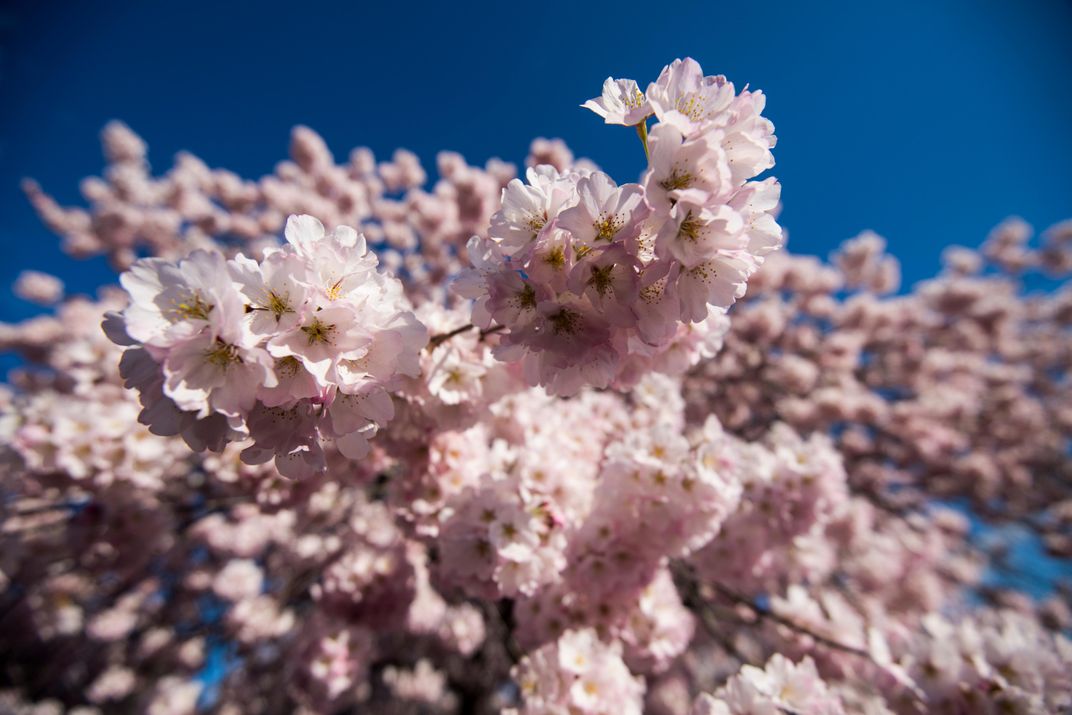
[278, 304]
[335, 291]
[318, 332]
[634, 102]
[556, 258]
[193, 308]
[222, 354]
[608, 226]
[690, 227]
[691, 105]
[677, 180]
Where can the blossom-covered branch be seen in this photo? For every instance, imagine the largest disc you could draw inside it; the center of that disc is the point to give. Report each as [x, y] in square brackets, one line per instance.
[559, 444]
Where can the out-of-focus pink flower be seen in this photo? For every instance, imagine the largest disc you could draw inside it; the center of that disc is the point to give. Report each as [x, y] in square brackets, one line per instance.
[37, 287]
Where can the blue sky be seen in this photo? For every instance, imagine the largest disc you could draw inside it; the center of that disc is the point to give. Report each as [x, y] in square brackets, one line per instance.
[925, 121]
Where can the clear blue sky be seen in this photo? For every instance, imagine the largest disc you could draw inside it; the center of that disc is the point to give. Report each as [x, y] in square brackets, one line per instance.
[926, 121]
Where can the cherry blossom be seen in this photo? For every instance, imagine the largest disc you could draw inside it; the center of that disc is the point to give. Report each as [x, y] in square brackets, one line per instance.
[622, 102]
[293, 364]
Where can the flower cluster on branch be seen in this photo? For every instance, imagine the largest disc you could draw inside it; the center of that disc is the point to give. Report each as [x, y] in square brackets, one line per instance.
[350, 442]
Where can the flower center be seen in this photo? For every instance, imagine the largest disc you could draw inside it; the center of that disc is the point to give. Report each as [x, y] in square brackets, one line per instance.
[277, 304]
[601, 279]
[537, 222]
[318, 331]
[703, 272]
[556, 258]
[526, 299]
[222, 354]
[564, 321]
[677, 180]
[335, 290]
[193, 308]
[690, 227]
[608, 225]
[287, 366]
[691, 105]
[654, 293]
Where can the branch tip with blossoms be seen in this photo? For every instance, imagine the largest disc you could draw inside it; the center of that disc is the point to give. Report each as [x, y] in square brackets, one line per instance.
[594, 281]
[304, 345]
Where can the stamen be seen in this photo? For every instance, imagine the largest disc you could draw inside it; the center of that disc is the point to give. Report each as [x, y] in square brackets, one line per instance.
[607, 226]
[565, 321]
[690, 227]
[287, 366]
[677, 180]
[526, 299]
[601, 279]
[556, 258]
[193, 308]
[222, 354]
[634, 102]
[335, 291]
[318, 332]
[278, 304]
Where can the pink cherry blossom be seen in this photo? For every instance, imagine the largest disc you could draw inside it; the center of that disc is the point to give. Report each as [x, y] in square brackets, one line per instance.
[683, 98]
[604, 212]
[622, 102]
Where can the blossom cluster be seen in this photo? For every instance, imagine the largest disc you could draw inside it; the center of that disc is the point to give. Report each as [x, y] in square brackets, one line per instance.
[578, 674]
[780, 686]
[510, 501]
[302, 346]
[790, 488]
[94, 435]
[952, 388]
[995, 660]
[194, 206]
[592, 280]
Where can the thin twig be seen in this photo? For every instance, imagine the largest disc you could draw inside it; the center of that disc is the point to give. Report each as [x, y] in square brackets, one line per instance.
[491, 331]
[764, 612]
[436, 340]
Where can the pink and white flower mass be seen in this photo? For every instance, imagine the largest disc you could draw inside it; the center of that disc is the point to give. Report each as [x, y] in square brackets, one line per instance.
[352, 440]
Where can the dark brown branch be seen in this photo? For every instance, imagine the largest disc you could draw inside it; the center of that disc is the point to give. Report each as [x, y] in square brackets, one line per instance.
[692, 595]
[491, 331]
[436, 340]
[764, 612]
